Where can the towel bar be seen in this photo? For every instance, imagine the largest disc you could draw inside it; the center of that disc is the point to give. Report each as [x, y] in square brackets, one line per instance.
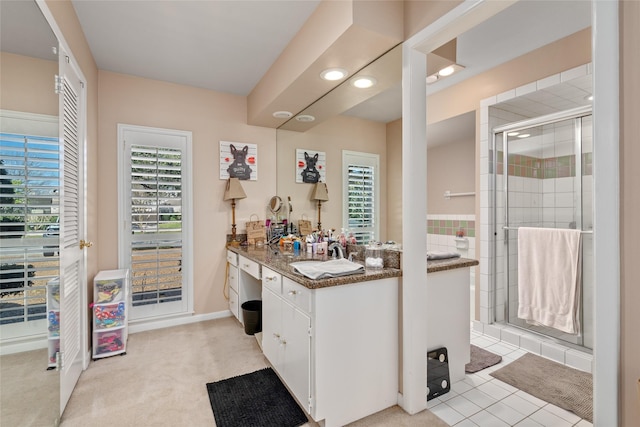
[504, 227]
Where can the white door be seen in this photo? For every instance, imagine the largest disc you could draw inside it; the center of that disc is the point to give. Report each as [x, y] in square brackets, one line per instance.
[72, 228]
[155, 210]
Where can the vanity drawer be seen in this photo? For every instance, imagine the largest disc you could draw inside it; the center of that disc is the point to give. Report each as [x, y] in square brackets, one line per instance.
[251, 267]
[272, 280]
[297, 294]
[233, 278]
[233, 303]
[232, 258]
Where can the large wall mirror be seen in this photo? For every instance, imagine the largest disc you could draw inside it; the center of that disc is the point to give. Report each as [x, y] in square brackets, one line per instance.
[369, 121]
[29, 153]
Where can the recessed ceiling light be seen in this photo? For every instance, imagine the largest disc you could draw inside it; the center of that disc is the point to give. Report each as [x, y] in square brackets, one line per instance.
[524, 135]
[446, 71]
[305, 118]
[432, 78]
[283, 114]
[333, 74]
[513, 133]
[364, 82]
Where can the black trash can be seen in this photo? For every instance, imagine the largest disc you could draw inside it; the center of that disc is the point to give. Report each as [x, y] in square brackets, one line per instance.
[252, 316]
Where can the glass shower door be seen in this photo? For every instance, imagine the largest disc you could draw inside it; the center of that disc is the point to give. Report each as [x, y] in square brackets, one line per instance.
[546, 179]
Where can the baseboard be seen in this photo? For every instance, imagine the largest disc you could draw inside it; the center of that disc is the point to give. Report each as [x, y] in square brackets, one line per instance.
[149, 325]
[20, 345]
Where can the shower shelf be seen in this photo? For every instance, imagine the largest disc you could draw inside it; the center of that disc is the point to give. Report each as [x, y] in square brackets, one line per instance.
[461, 242]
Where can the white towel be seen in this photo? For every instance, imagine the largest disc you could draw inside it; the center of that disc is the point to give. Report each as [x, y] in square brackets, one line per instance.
[326, 269]
[549, 277]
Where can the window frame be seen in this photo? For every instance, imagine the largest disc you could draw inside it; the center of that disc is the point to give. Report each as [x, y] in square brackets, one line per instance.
[31, 125]
[361, 159]
[173, 139]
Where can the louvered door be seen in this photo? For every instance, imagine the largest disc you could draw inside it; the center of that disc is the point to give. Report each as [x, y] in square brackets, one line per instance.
[72, 259]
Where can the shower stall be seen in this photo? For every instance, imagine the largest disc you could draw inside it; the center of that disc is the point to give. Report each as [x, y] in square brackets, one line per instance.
[542, 176]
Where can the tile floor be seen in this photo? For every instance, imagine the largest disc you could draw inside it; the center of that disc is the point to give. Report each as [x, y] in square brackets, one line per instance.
[481, 400]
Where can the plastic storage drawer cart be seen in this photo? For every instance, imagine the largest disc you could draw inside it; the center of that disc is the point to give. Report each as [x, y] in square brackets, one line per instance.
[111, 302]
[53, 321]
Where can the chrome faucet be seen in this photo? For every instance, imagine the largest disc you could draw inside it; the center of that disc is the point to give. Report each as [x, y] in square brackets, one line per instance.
[336, 248]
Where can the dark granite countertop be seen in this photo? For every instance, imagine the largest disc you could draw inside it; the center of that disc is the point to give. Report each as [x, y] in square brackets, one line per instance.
[278, 261]
[436, 265]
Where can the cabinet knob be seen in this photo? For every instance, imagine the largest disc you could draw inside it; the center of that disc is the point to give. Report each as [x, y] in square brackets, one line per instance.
[271, 278]
[293, 293]
[276, 336]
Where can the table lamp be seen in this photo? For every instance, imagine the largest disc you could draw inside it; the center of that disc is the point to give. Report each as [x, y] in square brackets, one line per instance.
[232, 192]
[320, 194]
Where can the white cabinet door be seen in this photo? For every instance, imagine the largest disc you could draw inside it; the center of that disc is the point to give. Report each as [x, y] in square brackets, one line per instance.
[297, 352]
[234, 300]
[286, 343]
[272, 328]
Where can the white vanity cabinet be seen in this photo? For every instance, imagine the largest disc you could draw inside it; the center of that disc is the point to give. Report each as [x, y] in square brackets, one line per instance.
[232, 281]
[286, 333]
[336, 348]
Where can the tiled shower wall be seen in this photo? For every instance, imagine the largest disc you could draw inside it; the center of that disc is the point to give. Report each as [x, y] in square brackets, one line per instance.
[541, 191]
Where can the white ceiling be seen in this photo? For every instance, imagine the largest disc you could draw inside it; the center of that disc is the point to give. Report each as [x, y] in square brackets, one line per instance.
[519, 29]
[228, 46]
[225, 46]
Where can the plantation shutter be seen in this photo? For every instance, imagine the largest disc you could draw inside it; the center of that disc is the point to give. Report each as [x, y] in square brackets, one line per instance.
[156, 205]
[29, 205]
[156, 200]
[361, 193]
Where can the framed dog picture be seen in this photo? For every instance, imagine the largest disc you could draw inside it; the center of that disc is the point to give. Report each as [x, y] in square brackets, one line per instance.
[238, 160]
[311, 166]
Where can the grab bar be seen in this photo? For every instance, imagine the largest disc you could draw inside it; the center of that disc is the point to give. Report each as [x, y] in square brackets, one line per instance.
[504, 227]
[448, 194]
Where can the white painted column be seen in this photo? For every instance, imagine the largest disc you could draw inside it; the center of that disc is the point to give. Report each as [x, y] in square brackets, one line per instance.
[414, 231]
[606, 237]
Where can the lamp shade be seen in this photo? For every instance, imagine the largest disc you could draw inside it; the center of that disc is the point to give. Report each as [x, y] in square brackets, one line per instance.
[320, 192]
[234, 190]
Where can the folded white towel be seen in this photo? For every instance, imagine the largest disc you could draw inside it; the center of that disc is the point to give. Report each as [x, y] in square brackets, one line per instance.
[326, 269]
[441, 255]
[549, 277]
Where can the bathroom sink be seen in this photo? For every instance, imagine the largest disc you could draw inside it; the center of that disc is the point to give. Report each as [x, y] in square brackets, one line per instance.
[314, 269]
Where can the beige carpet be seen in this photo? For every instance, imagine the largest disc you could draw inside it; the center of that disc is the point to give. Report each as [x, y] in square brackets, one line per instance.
[161, 380]
[552, 382]
[29, 393]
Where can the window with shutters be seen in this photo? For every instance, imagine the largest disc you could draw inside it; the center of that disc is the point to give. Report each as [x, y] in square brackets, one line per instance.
[157, 220]
[360, 177]
[29, 233]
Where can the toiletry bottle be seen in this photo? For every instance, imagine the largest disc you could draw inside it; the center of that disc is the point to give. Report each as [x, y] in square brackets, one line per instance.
[342, 238]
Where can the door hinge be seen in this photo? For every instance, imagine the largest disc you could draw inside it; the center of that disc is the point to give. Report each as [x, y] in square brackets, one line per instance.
[57, 83]
[59, 361]
[309, 331]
